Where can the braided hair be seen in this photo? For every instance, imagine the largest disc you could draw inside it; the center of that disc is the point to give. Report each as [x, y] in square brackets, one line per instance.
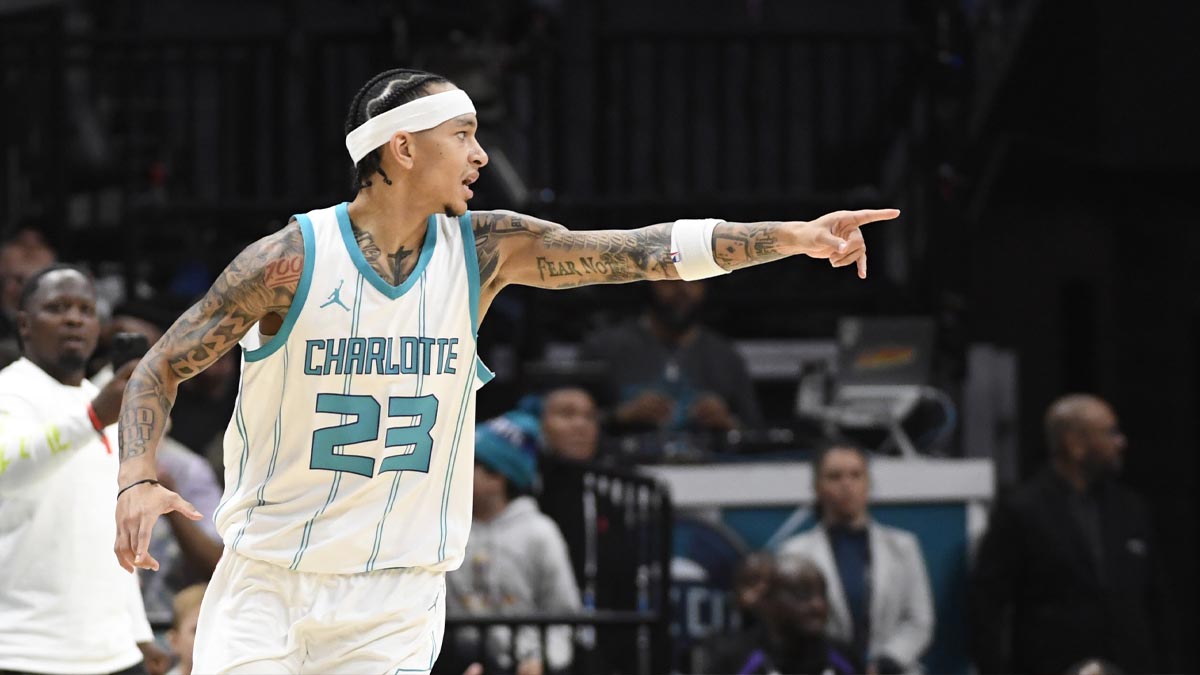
[387, 90]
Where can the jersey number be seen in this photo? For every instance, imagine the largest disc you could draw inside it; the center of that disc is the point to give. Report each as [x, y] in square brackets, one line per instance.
[417, 437]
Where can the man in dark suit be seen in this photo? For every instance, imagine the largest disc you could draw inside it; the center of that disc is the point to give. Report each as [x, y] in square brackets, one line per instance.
[1066, 571]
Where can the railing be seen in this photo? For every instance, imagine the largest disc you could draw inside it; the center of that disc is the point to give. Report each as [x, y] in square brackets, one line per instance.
[594, 637]
[618, 527]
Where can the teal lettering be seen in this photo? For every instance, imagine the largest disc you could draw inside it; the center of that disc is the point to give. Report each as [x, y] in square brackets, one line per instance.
[393, 368]
[426, 347]
[441, 358]
[309, 347]
[408, 355]
[450, 359]
[404, 354]
[335, 355]
[375, 352]
[356, 353]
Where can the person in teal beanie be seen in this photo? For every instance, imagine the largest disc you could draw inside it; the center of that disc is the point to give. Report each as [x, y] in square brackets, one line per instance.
[509, 445]
[516, 559]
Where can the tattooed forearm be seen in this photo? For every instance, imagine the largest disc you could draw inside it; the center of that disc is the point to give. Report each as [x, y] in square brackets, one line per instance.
[547, 255]
[539, 253]
[260, 281]
[145, 406]
[738, 245]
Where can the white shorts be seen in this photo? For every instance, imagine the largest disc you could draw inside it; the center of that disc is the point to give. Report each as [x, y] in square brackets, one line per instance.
[259, 618]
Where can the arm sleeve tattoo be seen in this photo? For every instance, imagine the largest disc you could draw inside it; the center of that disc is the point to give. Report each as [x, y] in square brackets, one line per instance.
[261, 280]
[539, 253]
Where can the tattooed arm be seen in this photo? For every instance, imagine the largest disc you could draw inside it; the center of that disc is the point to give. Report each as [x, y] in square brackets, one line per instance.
[258, 285]
[519, 249]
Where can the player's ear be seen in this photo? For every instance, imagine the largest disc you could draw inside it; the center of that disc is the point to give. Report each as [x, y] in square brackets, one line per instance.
[400, 148]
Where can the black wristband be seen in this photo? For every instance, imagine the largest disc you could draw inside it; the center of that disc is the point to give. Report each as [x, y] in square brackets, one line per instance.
[144, 480]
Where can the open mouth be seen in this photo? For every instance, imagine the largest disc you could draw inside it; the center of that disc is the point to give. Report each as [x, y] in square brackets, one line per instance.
[466, 183]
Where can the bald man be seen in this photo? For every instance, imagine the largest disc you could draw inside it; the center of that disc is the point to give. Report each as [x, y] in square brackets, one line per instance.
[1066, 571]
[793, 608]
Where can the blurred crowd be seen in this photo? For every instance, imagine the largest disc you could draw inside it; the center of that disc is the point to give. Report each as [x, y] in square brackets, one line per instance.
[1064, 580]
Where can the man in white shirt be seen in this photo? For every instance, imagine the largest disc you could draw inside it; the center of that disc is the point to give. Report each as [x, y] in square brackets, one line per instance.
[65, 604]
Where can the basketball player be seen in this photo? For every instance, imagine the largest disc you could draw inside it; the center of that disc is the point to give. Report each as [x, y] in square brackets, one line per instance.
[349, 455]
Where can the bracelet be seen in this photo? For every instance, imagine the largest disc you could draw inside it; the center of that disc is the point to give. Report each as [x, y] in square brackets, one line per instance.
[94, 418]
[144, 480]
[99, 427]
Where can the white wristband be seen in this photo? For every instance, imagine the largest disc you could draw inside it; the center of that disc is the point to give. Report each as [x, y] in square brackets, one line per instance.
[691, 249]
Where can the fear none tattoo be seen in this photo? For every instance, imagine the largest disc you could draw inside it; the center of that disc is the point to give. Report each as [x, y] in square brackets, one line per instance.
[606, 265]
[613, 256]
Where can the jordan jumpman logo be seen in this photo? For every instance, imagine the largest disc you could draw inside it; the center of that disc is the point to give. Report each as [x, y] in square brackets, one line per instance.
[335, 298]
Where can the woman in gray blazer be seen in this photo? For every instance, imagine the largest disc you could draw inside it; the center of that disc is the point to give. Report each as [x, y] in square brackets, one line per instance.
[879, 597]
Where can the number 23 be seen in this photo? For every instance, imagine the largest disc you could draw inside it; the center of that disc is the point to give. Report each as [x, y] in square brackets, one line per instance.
[366, 428]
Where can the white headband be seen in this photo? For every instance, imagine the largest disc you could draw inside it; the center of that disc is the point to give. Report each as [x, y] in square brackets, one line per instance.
[424, 113]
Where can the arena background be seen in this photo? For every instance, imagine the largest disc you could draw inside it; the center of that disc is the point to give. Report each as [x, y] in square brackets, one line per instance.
[1045, 155]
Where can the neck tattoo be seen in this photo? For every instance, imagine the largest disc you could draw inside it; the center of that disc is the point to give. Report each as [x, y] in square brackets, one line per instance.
[392, 267]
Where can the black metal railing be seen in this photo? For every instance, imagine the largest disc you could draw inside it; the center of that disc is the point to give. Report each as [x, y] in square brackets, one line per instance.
[500, 642]
[617, 525]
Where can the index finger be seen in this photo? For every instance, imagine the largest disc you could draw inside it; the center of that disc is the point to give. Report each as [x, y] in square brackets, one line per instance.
[855, 219]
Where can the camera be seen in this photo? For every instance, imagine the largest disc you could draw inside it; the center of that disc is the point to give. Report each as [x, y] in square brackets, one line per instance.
[127, 347]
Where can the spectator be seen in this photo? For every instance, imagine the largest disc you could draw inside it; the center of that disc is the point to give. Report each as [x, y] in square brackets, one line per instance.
[20, 258]
[878, 586]
[182, 636]
[66, 606]
[670, 372]
[791, 636]
[570, 424]
[590, 508]
[187, 551]
[750, 583]
[516, 560]
[1067, 571]
[570, 432]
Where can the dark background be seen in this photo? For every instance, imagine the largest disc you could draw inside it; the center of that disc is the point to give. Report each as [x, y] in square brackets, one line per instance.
[1044, 154]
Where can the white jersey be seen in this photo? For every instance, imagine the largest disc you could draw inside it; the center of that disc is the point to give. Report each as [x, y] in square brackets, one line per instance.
[351, 448]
